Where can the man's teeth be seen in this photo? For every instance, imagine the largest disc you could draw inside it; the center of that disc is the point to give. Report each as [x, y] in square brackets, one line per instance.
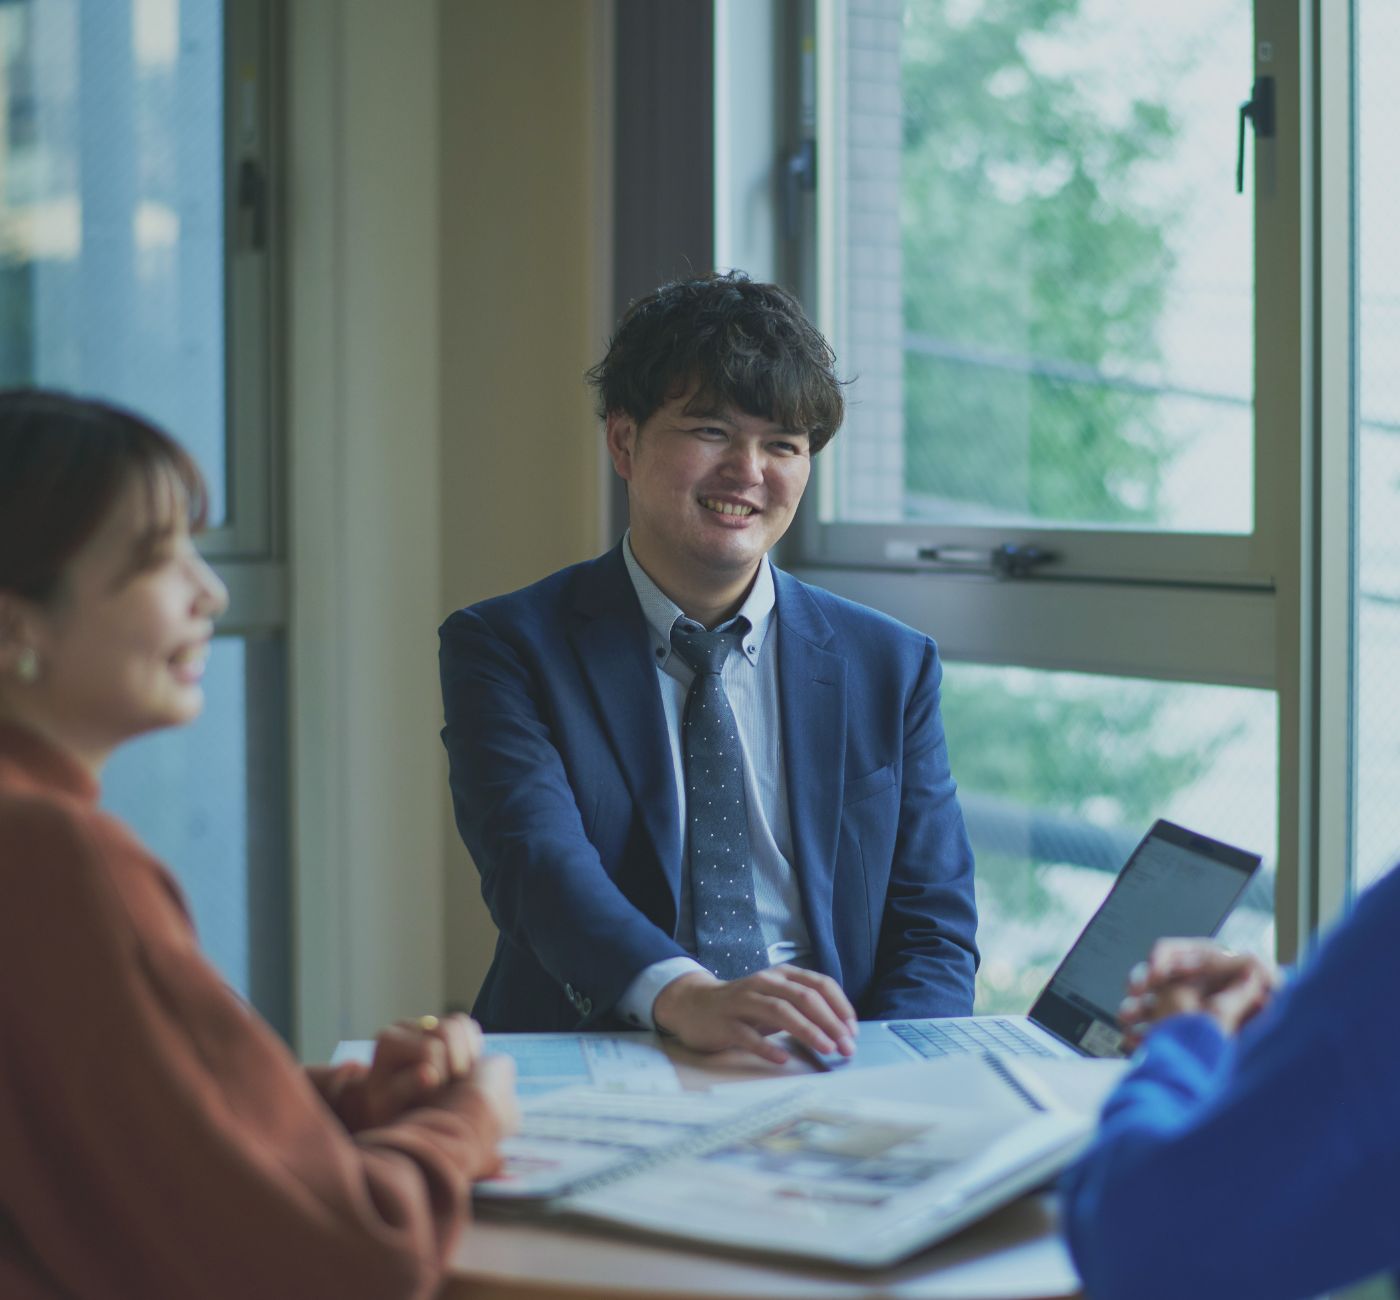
[195, 654]
[726, 508]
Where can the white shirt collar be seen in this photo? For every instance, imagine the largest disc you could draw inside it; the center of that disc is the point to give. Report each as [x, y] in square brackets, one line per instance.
[662, 613]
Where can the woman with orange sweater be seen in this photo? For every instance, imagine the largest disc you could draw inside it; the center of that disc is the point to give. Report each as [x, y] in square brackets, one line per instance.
[156, 1138]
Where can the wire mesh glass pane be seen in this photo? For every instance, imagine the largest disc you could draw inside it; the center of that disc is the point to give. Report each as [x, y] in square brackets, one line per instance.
[184, 791]
[1378, 559]
[1061, 774]
[209, 800]
[1045, 283]
[111, 209]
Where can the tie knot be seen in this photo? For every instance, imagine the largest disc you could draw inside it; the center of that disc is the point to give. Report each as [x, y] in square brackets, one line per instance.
[705, 652]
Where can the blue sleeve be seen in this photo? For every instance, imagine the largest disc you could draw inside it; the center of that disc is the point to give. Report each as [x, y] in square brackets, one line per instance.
[1265, 1168]
[927, 955]
[542, 878]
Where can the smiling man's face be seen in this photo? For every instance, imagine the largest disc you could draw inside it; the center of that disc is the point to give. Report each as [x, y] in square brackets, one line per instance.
[710, 492]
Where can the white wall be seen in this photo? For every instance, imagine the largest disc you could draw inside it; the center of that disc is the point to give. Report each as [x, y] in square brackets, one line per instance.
[364, 418]
[446, 213]
[525, 308]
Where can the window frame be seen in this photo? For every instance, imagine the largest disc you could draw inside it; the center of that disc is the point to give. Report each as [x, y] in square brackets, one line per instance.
[248, 543]
[1269, 609]
[248, 551]
[1246, 561]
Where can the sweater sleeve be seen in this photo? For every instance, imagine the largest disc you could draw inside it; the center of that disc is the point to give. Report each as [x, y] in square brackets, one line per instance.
[156, 1138]
[1263, 1169]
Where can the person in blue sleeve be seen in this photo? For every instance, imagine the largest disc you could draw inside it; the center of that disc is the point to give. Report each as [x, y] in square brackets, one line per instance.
[1254, 1148]
[702, 795]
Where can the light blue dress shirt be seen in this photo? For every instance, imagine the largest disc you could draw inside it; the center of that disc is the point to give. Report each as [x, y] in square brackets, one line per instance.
[751, 682]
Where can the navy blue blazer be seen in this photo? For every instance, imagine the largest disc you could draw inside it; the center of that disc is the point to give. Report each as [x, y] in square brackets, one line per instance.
[565, 796]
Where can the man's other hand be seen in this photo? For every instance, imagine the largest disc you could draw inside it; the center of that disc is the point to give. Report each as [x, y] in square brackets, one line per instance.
[711, 1014]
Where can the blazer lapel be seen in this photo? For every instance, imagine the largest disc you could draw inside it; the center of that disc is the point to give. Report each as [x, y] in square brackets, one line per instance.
[609, 636]
[812, 698]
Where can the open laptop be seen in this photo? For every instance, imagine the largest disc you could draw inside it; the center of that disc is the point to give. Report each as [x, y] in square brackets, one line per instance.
[1176, 882]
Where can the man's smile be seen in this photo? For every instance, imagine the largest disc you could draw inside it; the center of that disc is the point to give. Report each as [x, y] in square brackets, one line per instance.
[727, 507]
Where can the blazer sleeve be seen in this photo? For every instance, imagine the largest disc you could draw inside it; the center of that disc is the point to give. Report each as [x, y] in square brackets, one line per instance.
[1267, 1169]
[543, 880]
[926, 958]
[151, 1152]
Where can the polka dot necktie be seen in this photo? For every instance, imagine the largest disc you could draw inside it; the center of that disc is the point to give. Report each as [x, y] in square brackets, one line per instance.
[727, 935]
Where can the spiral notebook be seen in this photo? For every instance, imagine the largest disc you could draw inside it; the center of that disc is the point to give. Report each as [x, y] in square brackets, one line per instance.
[803, 1172]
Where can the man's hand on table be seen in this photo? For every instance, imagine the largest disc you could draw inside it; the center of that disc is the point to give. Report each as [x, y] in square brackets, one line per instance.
[711, 1014]
[1195, 975]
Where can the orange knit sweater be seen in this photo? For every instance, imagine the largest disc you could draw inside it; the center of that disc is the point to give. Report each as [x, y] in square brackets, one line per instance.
[156, 1138]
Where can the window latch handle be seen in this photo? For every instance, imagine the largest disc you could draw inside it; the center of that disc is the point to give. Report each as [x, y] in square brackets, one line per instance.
[252, 204]
[1259, 110]
[1006, 561]
[799, 176]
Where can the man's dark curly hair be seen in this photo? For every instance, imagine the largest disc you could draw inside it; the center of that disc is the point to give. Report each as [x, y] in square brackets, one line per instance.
[740, 344]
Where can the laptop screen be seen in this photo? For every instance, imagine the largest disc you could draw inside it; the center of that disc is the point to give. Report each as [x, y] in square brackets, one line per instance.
[1176, 883]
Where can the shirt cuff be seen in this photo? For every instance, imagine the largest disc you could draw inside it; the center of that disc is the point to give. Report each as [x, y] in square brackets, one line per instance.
[634, 1006]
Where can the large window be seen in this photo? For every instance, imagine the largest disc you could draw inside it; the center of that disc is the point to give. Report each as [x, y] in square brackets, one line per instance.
[1377, 299]
[1060, 268]
[1060, 774]
[113, 178]
[1044, 286]
[1040, 277]
[1119, 296]
[134, 267]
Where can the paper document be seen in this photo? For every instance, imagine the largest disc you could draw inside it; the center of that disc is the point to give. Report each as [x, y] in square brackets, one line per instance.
[544, 1063]
[1001, 1085]
[569, 1138]
[963, 1081]
[809, 1170]
[861, 1183]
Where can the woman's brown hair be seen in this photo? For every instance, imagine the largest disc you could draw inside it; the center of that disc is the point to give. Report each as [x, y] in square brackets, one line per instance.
[63, 462]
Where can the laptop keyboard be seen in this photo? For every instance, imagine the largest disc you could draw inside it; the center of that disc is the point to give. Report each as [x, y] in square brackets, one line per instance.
[951, 1037]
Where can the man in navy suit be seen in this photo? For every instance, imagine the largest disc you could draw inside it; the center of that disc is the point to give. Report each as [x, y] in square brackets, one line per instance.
[592, 807]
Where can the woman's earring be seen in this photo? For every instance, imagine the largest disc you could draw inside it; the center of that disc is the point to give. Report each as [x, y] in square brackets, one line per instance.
[27, 665]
